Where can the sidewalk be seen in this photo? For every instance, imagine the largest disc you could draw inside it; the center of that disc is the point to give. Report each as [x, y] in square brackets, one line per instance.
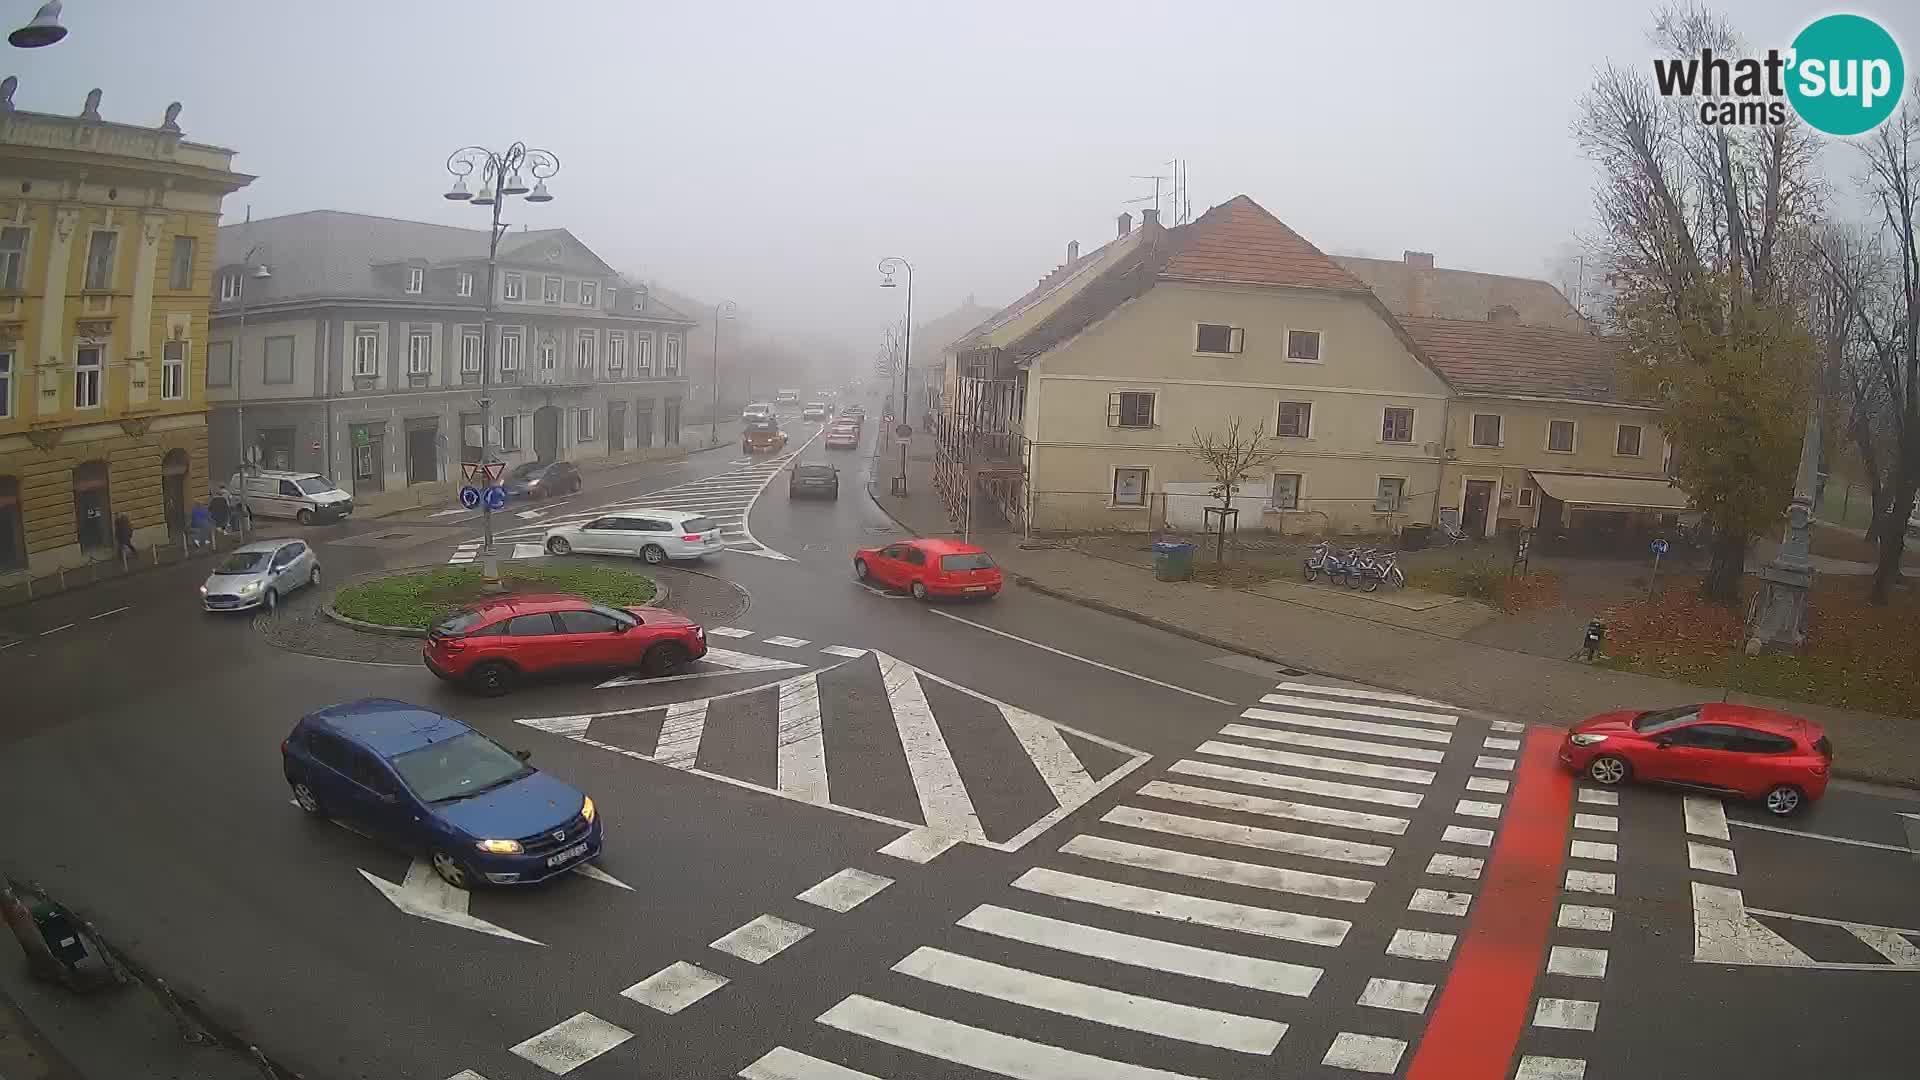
[1526, 687]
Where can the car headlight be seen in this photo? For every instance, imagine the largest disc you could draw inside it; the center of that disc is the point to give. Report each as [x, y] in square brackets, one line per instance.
[1579, 739]
[533, 483]
[250, 588]
[499, 847]
[586, 807]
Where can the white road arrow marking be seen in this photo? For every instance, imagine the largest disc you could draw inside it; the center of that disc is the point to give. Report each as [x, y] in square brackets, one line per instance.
[588, 870]
[450, 513]
[531, 515]
[424, 896]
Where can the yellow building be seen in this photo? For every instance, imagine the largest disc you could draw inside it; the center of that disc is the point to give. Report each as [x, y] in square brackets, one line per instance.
[107, 238]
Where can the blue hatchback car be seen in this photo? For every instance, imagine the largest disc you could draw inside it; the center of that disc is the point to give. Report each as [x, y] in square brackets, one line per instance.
[434, 787]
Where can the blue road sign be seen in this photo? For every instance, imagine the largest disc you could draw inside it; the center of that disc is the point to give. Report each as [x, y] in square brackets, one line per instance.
[470, 497]
[496, 498]
[1659, 546]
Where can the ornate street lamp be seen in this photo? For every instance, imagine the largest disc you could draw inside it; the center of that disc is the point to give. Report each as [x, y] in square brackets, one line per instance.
[888, 267]
[722, 311]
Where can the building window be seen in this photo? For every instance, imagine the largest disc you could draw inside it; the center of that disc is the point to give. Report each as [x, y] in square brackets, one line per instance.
[643, 355]
[589, 294]
[279, 360]
[419, 353]
[1560, 436]
[1526, 496]
[616, 352]
[1286, 491]
[470, 352]
[100, 260]
[1129, 487]
[1486, 429]
[1391, 496]
[510, 432]
[639, 299]
[583, 421]
[510, 350]
[416, 279]
[87, 365]
[1130, 410]
[1303, 346]
[220, 363]
[464, 285]
[550, 290]
[1218, 338]
[514, 287]
[180, 267]
[6, 385]
[1296, 420]
[549, 354]
[230, 286]
[1626, 441]
[670, 358]
[586, 351]
[173, 372]
[366, 353]
[1396, 424]
[13, 256]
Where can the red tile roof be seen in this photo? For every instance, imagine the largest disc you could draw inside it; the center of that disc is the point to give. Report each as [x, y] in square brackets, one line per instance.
[1480, 357]
[1239, 241]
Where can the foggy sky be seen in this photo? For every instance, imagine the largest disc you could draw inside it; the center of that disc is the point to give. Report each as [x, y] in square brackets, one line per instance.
[772, 152]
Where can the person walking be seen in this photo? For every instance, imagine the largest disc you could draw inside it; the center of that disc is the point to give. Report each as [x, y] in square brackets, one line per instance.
[221, 509]
[123, 538]
[200, 525]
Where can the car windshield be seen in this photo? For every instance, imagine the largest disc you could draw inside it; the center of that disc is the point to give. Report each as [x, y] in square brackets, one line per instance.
[314, 485]
[698, 525]
[977, 561]
[531, 468]
[456, 768]
[1648, 723]
[460, 622]
[244, 562]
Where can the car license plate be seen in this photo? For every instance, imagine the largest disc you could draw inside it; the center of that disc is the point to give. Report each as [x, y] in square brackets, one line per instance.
[573, 852]
[976, 588]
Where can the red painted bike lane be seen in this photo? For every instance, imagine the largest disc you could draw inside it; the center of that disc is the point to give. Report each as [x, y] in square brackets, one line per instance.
[1482, 1010]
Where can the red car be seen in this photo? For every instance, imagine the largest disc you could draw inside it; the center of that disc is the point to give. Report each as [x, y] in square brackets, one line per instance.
[494, 644]
[1734, 750]
[929, 568]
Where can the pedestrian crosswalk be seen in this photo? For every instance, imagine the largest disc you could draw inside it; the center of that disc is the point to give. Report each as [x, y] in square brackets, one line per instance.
[1188, 929]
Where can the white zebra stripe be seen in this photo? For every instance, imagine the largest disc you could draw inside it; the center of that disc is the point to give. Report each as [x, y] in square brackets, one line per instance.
[1180, 907]
[1249, 836]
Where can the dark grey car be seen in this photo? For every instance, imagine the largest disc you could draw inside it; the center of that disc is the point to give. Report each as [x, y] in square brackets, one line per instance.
[814, 480]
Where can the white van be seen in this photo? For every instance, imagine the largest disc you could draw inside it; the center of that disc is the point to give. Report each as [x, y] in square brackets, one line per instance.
[303, 496]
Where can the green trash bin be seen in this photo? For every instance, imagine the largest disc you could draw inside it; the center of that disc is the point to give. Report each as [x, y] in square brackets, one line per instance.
[1173, 561]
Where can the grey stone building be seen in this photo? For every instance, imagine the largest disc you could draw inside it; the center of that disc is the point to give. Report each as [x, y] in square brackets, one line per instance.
[362, 352]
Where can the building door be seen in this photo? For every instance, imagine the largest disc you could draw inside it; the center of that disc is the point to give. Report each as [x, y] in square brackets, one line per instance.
[173, 491]
[92, 509]
[369, 458]
[276, 448]
[423, 454]
[616, 426]
[1479, 503]
[670, 423]
[643, 424]
[546, 433]
[13, 533]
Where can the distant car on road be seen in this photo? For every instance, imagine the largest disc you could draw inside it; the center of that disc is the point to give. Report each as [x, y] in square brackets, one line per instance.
[1737, 750]
[787, 397]
[257, 575]
[843, 435]
[930, 567]
[856, 413]
[431, 786]
[759, 410]
[543, 479]
[496, 644]
[653, 535]
[814, 479]
[815, 410]
[763, 437]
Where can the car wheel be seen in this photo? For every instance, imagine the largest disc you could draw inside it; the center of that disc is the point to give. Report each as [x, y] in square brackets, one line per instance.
[1609, 770]
[451, 871]
[271, 601]
[860, 569]
[304, 797]
[919, 590]
[665, 658]
[1785, 800]
[492, 679]
[559, 546]
[313, 576]
[304, 517]
[653, 554]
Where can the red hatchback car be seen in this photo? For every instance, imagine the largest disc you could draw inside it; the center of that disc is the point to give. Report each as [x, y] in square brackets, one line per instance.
[1733, 750]
[929, 568]
[493, 645]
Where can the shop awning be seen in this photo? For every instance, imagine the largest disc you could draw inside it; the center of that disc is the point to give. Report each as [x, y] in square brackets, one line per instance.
[1612, 492]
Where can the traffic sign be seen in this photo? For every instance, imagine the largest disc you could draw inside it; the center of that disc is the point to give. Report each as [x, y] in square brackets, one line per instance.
[496, 498]
[1660, 545]
[495, 470]
[469, 471]
[470, 497]
[904, 431]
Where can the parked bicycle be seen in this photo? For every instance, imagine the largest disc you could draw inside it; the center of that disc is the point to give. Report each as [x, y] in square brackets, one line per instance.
[1377, 569]
[1319, 560]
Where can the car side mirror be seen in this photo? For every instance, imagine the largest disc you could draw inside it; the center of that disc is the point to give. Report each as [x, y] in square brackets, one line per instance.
[523, 755]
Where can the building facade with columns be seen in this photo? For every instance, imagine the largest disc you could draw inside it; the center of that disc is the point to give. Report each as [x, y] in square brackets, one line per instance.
[107, 236]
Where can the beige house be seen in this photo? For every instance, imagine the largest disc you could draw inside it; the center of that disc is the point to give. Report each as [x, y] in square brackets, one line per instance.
[1078, 406]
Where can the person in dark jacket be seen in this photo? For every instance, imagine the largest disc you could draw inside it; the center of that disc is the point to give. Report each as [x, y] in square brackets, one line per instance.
[123, 537]
[220, 508]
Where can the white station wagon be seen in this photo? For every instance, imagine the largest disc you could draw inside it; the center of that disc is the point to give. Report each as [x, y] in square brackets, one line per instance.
[653, 535]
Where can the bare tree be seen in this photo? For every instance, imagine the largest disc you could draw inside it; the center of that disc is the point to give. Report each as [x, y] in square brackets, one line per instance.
[1232, 457]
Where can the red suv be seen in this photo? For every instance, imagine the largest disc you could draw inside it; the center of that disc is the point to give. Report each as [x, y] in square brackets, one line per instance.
[1734, 750]
[930, 568]
[492, 645]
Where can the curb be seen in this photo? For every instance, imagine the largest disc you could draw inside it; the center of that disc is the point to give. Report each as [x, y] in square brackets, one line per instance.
[328, 611]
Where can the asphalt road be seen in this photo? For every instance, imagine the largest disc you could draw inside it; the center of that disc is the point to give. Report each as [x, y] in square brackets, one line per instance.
[1016, 838]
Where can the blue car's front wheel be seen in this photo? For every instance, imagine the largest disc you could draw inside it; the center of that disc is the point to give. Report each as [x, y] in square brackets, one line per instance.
[451, 871]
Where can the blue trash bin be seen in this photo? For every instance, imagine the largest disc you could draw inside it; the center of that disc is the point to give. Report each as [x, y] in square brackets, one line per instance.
[1173, 560]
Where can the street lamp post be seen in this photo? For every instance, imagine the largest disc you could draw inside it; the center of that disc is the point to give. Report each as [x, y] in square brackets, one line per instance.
[501, 177]
[722, 311]
[257, 271]
[888, 266]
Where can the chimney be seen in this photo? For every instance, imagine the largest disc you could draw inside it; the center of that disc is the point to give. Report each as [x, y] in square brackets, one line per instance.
[1420, 260]
[1073, 252]
[1150, 219]
[1126, 224]
[1504, 315]
[1419, 265]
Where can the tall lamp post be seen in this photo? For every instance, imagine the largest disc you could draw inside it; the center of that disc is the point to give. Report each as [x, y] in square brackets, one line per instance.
[259, 272]
[888, 267]
[722, 311]
[502, 175]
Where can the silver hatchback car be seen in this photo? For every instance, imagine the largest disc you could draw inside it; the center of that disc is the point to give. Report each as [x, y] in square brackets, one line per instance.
[259, 575]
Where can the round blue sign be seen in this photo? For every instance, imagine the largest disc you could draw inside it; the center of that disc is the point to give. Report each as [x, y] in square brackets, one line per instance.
[496, 498]
[470, 497]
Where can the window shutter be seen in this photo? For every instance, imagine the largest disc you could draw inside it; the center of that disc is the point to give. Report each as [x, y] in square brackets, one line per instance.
[1236, 339]
[1113, 410]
